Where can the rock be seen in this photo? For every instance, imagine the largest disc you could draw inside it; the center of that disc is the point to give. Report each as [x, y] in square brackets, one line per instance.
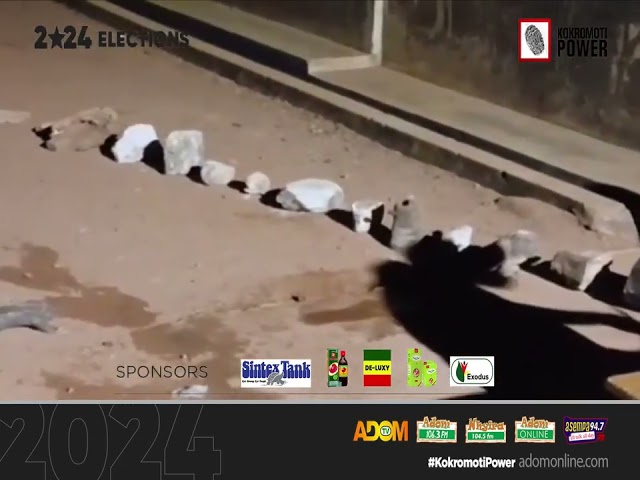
[407, 229]
[578, 270]
[13, 116]
[461, 237]
[97, 116]
[365, 212]
[129, 148]
[33, 315]
[257, 184]
[78, 137]
[631, 290]
[192, 392]
[183, 150]
[516, 248]
[217, 173]
[607, 217]
[311, 195]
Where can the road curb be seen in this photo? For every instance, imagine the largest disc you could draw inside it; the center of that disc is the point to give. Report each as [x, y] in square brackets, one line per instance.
[506, 177]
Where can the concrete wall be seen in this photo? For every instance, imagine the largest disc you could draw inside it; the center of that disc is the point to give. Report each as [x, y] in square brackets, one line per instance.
[471, 46]
[345, 21]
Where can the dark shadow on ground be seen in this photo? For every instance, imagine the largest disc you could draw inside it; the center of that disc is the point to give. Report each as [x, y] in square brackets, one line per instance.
[269, 199]
[106, 149]
[237, 185]
[439, 300]
[195, 177]
[380, 232]
[44, 134]
[153, 157]
[607, 286]
[543, 270]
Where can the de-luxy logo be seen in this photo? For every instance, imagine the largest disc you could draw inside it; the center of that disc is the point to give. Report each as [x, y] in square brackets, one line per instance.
[534, 40]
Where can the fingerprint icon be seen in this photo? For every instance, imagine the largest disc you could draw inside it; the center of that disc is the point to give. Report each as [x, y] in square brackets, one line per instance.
[534, 39]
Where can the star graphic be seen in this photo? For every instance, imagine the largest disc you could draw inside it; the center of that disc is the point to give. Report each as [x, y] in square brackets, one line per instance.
[56, 38]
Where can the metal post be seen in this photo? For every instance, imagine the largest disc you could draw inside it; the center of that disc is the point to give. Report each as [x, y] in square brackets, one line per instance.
[376, 30]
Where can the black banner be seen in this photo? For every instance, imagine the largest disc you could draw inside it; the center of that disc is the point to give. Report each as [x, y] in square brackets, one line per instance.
[223, 441]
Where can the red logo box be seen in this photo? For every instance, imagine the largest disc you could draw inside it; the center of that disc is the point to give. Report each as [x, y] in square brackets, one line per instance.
[529, 49]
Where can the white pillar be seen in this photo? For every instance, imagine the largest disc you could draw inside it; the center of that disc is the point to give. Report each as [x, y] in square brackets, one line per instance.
[376, 30]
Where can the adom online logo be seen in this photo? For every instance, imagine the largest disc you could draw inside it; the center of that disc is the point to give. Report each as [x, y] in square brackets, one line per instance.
[471, 371]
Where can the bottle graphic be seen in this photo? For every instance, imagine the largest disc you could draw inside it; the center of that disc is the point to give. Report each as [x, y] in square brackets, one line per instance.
[332, 369]
[343, 369]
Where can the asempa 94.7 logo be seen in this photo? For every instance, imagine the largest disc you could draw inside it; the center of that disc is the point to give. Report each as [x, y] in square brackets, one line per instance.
[583, 430]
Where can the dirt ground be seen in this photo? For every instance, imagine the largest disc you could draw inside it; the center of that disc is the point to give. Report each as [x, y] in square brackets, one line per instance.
[143, 269]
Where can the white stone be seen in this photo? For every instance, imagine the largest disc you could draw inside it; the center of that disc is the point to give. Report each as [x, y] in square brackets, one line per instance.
[183, 150]
[461, 237]
[129, 148]
[406, 229]
[362, 211]
[517, 249]
[13, 116]
[192, 392]
[217, 173]
[578, 270]
[311, 195]
[257, 184]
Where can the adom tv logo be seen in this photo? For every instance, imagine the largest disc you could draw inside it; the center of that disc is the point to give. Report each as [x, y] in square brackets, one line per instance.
[471, 371]
[386, 431]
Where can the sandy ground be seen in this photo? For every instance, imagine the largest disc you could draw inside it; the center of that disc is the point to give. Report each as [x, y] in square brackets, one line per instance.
[143, 269]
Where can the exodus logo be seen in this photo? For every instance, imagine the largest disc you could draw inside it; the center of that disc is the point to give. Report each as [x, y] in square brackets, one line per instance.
[387, 431]
[584, 430]
[471, 371]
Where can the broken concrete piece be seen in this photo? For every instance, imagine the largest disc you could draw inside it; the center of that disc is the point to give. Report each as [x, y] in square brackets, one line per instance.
[311, 195]
[608, 217]
[129, 148]
[217, 173]
[407, 229]
[631, 290]
[34, 315]
[78, 137]
[517, 249]
[97, 116]
[578, 270]
[257, 184]
[183, 150]
[192, 392]
[461, 237]
[13, 116]
[364, 212]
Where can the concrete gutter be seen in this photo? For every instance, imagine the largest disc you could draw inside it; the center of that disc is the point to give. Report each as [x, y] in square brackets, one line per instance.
[508, 178]
[284, 46]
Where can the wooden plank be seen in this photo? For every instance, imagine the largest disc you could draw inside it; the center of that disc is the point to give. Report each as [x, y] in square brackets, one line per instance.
[625, 386]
